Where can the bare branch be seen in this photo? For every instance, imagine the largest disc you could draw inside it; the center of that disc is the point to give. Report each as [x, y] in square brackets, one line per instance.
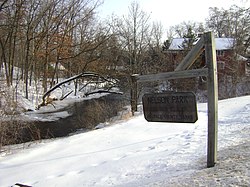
[81, 75]
[103, 91]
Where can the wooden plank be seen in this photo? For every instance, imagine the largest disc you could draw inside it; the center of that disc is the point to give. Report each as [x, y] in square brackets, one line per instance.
[212, 87]
[191, 56]
[176, 107]
[172, 75]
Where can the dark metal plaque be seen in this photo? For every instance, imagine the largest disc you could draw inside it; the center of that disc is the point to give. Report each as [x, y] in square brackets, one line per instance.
[179, 107]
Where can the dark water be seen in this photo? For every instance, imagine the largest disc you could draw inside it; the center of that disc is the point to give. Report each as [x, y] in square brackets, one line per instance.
[85, 115]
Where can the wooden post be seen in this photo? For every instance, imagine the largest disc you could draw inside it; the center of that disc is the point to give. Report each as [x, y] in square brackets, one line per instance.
[212, 87]
[133, 93]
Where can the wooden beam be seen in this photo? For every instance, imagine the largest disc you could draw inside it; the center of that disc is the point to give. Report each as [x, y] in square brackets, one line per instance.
[133, 94]
[172, 75]
[212, 87]
[192, 55]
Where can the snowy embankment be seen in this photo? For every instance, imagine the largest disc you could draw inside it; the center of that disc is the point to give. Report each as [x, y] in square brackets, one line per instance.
[138, 153]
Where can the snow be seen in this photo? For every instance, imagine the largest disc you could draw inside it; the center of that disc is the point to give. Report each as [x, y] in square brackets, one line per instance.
[224, 43]
[57, 110]
[135, 152]
[65, 87]
[220, 43]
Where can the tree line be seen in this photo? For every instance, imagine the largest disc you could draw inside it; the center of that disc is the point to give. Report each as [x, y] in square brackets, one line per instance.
[230, 23]
[38, 36]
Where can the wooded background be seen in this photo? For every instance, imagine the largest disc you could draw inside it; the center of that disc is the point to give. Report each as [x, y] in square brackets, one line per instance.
[39, 37]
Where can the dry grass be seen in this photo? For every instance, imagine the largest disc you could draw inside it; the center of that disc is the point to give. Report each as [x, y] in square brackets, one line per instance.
[12, 129]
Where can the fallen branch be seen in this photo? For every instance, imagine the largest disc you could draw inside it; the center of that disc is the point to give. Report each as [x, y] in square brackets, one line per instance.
[62, 98]
[103, 91]
[81, 75]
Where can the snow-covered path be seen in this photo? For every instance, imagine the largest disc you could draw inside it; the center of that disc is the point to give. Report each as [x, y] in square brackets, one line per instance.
[129, 153]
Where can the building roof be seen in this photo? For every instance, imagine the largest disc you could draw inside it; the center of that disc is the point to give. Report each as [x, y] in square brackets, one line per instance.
[220, 43]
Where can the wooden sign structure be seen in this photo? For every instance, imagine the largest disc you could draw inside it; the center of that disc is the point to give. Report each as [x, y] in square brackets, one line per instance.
[207, 43]
[177, 107]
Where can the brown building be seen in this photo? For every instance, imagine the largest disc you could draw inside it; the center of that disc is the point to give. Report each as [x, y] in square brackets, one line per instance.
[228, 62]
[232, 67]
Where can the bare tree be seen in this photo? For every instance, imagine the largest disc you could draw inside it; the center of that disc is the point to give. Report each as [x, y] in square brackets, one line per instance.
[182, 29]
[11, 17]
[234, 23]
[133, 32]
[155, 60]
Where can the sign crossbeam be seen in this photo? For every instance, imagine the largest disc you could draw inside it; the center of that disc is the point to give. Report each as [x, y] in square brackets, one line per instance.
[172, 75]
[192, 55]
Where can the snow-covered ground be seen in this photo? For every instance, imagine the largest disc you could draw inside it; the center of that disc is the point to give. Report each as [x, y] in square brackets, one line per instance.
[138, 153]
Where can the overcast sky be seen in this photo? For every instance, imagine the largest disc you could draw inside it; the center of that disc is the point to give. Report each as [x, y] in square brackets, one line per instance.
[170, 12]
